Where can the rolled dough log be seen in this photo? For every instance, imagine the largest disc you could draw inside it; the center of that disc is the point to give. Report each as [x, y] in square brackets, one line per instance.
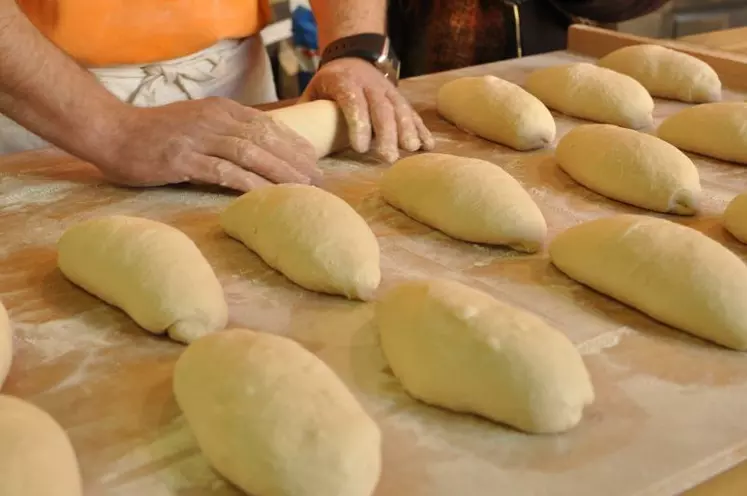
[459, 348]
[274, 419]
[467, 198]
[735, 217]
[631, 167]
[594, 93]
[497, 110]
[716, 130]
[321, 122]
[670, 272]
[152, 271]
[313, 237]
[36, 457]
[6, 344]
[666, 73]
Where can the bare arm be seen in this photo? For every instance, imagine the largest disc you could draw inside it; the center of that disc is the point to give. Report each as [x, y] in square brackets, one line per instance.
[336, 19]
[44, 90]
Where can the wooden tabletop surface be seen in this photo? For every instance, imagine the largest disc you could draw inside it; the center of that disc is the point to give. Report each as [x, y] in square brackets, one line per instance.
[730, 40]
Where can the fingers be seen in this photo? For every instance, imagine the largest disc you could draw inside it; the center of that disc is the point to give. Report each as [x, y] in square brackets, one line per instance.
[426, 137]
[213, 170]
[354, 106]
[409, 138]
[384, 124]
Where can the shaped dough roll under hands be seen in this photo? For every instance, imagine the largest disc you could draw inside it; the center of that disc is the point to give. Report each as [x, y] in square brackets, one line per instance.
[36, 457]
[313, 237]
[152, 271]
[630, 167]
[666, 73]
[670, 272]
[593, 93]
[274, 419]
[735, 217]
[467, 198]
[6, 344]
[459, 348]
[497, 110]
[321, 122]
[716, 130]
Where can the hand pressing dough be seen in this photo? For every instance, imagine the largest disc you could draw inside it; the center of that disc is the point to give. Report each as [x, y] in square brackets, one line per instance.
[313, 237]
[630, 167]
[670, 272]
[735, 217]
[152, 271]
[497, 110]
[36, 457]
[274, 419]
[459, 348]
[716, 130]
[593, 93]
[6, 344]
[321, 122]
[467, 198]
[666, 73]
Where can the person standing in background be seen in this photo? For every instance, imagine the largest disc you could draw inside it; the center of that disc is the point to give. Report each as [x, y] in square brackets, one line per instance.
[154, 92]
[438, 35]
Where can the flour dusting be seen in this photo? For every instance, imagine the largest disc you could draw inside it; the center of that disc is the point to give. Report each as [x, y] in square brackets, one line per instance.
[16, 192]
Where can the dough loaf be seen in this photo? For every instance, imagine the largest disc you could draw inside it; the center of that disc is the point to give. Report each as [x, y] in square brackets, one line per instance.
[631, 167]
[274, 419]
[497, 110]
[593, 93]
[321, 122]
[716, 130]
[6, 344]
[459, 348]
[666, 73]
[152, 271]
[36, 457]
[671, 272]
[467, 198]
[735, 217]
[313, 237]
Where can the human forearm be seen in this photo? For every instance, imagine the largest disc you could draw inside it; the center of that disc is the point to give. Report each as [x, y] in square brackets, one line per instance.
[609, 10]
[49, 94]
[340, 18]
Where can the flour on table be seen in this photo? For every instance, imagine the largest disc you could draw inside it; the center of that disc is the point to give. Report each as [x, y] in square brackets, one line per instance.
[17, 192]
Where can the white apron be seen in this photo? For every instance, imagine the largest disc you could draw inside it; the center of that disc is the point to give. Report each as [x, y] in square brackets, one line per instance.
[234, 69]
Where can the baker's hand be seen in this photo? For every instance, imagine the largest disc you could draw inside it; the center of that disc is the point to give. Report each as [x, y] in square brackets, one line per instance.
[370, 103]
[214, 141]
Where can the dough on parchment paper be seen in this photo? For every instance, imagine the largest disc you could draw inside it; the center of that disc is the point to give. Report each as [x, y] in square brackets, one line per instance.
[321, 122]
[459, 348]
[590, 92]
[311, 236]
[666, 73]
[497, 110]
[274, 419]
[467, 198]
[670, 272]
[735, 217]
[6, 344]
[152, 271]
[36, 457]
[631, 167]
[717, 130]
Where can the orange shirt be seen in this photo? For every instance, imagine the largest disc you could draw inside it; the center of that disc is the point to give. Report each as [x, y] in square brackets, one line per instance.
[113, 32]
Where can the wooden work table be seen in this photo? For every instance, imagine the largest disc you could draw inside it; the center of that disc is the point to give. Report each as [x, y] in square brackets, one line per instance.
[729, 40]
[669, 411]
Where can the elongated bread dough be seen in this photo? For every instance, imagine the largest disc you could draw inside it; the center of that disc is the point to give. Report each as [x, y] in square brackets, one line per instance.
[321, 122]
[735, 217]
[631, 167]
[467, 198]
[152, 271]
[716, 130]
[313, 237]
[36, 457]
[274, 419]
[497, 110]
[594, 93]
[666, 73]
[6, 344]
[459, 348]
[671, 272]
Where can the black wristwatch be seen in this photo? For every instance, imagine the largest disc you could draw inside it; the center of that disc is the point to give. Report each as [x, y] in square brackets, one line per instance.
[371, 47]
